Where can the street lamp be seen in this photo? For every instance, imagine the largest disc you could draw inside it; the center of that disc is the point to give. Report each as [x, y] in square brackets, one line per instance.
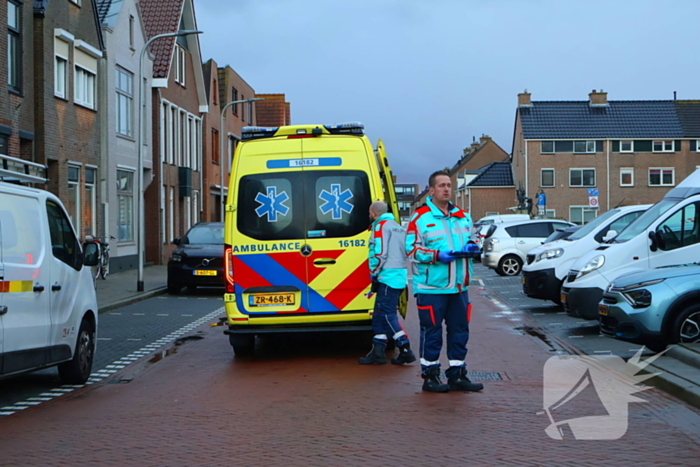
[140, 231]
[222, 207]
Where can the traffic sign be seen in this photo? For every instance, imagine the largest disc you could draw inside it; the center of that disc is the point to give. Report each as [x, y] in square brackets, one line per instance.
[593, 201]
[593, 192]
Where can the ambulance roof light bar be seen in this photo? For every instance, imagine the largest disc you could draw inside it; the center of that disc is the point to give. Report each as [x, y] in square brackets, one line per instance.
[13, 169]
[257, 132]
[350, 128]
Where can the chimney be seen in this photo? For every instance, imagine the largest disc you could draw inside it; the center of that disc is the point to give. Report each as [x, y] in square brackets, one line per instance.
[598, 98]
[466, 151]
[524, 99]
[475, 146]
[484, 139]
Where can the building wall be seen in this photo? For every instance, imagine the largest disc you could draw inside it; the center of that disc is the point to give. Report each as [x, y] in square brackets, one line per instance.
[273, 111]
[485, 199]
[478, 155]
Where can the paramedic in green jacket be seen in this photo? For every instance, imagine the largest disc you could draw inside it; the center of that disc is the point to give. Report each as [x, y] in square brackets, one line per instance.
[387, 264]
[437, 240]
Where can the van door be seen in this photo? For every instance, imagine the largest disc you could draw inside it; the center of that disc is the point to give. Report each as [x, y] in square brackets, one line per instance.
[3, 308]
[65, 265]
[25, 286]
[681, 238]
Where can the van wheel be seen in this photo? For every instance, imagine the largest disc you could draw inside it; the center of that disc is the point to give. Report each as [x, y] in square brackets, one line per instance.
[78, 369]
[686, 326]
[509, 265]
[243, 344]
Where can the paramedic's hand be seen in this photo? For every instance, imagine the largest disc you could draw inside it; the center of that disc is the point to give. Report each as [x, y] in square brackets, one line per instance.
[373, 277]
[446, 256]
[470, 248]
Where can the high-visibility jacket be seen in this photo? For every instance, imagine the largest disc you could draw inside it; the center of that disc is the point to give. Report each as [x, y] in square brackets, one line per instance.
[430, 232]
[387, 259]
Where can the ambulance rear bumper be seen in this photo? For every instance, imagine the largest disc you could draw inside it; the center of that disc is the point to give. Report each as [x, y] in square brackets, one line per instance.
[350, 326]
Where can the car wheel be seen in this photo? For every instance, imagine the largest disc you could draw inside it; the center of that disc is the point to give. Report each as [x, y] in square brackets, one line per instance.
[77, 370]
[243, 344]
[686, 326]
[509, 265]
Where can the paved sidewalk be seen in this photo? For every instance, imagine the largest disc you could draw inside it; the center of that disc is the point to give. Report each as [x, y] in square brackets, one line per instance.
[120, 289]
[305, 405]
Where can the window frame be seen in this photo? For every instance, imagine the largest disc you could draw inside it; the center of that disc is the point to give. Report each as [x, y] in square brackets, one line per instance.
[14, 36]
[631, 143]
[627, 171]
[76, 201]
[584, 209]
[234, 97]
[130, 194]
[91, 199]
[542, 151]
[554, 180]
[582, 184]
[663, 146]
[589, 144]
[129, 96]
[78, 96]
[661, 178]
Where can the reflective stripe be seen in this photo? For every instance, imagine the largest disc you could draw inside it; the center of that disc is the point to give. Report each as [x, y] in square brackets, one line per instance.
[425, 362]
[16, 286]
[457, 363]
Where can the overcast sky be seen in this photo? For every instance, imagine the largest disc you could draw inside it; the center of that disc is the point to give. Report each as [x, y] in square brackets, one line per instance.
[426, 76]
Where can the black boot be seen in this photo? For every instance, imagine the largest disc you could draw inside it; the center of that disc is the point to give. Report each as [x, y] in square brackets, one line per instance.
[376, 355]
[405, 355]
[432, 381]
[458, 380]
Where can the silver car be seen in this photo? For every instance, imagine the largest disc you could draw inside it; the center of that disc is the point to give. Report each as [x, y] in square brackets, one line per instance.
[506, 245]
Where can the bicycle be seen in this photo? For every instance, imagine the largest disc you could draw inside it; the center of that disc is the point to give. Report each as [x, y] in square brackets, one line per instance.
[102, 268]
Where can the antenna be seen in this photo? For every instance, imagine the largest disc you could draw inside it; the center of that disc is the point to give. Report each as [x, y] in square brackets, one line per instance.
[618, 204]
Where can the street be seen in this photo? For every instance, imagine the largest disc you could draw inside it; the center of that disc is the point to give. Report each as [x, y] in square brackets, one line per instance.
[304, 400]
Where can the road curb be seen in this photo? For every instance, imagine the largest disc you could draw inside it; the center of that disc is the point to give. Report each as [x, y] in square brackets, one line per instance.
[132, 299]
[680, 388]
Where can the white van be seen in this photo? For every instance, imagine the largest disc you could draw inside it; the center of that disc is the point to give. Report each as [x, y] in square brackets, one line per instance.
[667, 233]
[48, 308]
[547, 265]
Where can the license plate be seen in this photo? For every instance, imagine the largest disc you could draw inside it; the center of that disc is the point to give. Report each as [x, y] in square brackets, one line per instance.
[522, 279]
[282, 299]
[563, 298]
[204, 272]
[603, 310]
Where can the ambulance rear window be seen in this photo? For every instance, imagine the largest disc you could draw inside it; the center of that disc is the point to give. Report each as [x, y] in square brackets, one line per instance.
[303, 204]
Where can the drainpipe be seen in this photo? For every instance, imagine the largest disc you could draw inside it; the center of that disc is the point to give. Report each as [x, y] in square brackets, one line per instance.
[607, 144]
[469, 194]
[526, 172]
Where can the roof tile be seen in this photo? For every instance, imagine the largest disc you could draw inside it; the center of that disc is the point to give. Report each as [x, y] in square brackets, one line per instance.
[160, 17]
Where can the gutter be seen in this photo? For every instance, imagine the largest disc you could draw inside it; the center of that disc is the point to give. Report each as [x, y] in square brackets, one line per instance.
[607, 144]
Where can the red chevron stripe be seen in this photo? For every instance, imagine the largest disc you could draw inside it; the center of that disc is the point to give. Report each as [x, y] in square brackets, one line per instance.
[351, 287]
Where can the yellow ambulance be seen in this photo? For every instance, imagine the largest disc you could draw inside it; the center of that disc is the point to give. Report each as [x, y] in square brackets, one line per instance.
[296, 230]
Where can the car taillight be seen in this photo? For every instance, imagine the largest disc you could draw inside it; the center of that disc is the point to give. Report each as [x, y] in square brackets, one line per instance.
[228, 266]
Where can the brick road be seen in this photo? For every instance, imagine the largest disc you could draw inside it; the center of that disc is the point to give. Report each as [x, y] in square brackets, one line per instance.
[305, 401]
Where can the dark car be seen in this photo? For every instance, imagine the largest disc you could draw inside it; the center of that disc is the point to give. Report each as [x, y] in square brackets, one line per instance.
[198, 259]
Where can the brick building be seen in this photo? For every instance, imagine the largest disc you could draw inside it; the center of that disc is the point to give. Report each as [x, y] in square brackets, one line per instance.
[490, 191]
[273, 111]
[632, 152]
[223, 85]
[476, 156]
[173, 189]
[405, 196]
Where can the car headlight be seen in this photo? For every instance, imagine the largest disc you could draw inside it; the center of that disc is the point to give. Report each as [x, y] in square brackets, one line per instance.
[592, 265]
[640, 298]
[176, 258]
[550, 254]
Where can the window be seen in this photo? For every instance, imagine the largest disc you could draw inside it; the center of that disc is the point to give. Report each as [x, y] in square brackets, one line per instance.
[662, 176]
[491, 213]
[64, 245]
[125, 199]
[581, 177]
[242, 108]
[195, 208]
[662, 146]
[547, 178]
[14, 45]
[215, 146]
[3, 144]
[582, 214]
[84, 87]
[550, 213]
[587, 147]
[681, 229]
[131, 32]
[547, 147]
[76, 2]
[627, 176]
[534, 230]
[171, 213]
[234, 97]
[697, 146]
[125, 103]
[215, 93]
[626, 146]
[61, 51]
[162, 214]
[404, 205]
[73, 205]
[250, 113]
[179, 60]
[89, 215]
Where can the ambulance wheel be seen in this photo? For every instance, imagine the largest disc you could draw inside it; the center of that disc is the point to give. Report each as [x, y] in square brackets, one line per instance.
[243, 344]
[77, 370]
[509, 265]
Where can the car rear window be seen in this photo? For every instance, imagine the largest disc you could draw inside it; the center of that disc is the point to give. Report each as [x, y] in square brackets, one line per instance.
[211, 234]
[303, 204]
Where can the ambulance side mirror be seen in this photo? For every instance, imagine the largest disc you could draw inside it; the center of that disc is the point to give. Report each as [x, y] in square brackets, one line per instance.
[91, 254]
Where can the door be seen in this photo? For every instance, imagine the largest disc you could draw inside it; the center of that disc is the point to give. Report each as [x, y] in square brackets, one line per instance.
[681, 238]
[25, 283]
[3, 308]
[65, 264]
[337, 201]
[531, 235]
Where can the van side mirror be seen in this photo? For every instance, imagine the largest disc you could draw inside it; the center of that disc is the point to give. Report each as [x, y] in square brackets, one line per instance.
[609, 236]
[91, 254]
[176, 241]
[654, 241]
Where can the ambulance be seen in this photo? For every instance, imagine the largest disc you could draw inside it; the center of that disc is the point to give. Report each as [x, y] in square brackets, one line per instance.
[48, 307]
[296, 230]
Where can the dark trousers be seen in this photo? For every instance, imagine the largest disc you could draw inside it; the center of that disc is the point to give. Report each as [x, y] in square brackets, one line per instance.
[454, 309]
[385, 319]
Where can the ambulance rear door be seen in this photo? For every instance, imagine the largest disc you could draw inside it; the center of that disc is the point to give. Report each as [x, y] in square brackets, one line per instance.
[338, 193]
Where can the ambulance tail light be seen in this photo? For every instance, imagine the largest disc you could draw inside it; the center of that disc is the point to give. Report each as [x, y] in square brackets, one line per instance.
[228, 268]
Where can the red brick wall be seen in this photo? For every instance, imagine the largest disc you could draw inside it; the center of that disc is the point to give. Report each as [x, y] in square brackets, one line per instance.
[491, 200]
[273, 111]
[486, 152]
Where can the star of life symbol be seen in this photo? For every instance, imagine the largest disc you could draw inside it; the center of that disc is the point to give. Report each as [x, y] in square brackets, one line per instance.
[596, 390]
[272, 204]
[336, 202]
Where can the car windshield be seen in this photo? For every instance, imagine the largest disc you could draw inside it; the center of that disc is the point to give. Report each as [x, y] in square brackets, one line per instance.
[212, 234]
[593, 225]
[640, 224]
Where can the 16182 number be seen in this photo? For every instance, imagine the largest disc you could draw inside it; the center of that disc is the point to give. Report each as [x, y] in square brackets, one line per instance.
[349, 243]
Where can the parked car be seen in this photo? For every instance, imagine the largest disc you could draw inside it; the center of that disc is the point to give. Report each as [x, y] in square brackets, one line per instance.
[559, 234]
[198, 259]
[508, 243]
[655, 307]
[500, 218]
[667, 233]
[547, 266]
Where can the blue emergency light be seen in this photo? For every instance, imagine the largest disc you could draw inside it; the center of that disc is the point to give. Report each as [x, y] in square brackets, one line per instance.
[254, 132]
